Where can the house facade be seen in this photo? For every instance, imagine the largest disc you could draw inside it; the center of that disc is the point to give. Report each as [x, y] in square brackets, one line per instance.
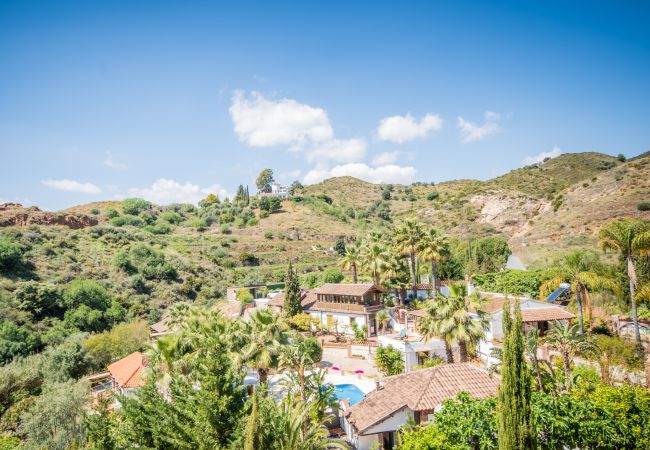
[414, 396]
[336, 306]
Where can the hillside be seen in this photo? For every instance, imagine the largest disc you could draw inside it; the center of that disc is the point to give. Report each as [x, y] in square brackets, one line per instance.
[540, 209]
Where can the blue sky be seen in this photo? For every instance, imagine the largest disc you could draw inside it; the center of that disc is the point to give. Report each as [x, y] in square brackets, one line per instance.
[171, 100]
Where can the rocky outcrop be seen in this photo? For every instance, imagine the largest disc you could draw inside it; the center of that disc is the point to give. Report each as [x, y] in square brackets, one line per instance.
[14, 214]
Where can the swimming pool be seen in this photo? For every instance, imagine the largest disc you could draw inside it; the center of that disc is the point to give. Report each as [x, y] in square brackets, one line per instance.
[349, 391]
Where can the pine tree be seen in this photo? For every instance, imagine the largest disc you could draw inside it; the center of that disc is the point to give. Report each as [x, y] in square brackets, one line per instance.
[292, 305]
[514, 419]
[252, 438]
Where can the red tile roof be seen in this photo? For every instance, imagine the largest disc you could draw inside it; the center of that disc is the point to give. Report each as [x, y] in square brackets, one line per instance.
[348, 289]
[422, 390]
[308, 299]
[545, 314]
[127, 372]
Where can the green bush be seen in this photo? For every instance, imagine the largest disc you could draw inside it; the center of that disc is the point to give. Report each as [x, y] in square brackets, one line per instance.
[148, 262]
[135, 206]
[112, 213]
[11, 255]
[268, 235]
[120, 221]
[643, 206]
[333, 275]
[389, 360]
[171, 217]
[513, 282]
[94, 212]
[15, 341]
[432, 196]
[87, 292]
[159, 228]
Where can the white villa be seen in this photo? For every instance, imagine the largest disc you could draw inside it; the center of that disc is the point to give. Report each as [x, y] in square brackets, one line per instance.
[337, 305]
[413, 396]
[279, 190]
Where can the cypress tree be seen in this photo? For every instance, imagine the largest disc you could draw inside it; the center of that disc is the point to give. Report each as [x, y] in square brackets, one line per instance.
[292, 305]
[514, 418]
[252, 439]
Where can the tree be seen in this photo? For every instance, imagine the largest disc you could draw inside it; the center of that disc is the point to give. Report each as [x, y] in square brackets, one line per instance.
[253, 425]
[296, 186]
[292, 299]
[298, 356]
[383, 318]
[41, 299]
[121, 340]
[11, 255]
[87, 292]
[332, 275]
[514, 414]
[434, 249]
[580, 269]
[264, 180]
[375, 257]
[487, 254]
[135, 206]
[408, 242]
[351, 260]
[54, 419]
[454, 319]
[15, 341]
[629, 237]
[389, 360]
[568, 341]
[262, 337]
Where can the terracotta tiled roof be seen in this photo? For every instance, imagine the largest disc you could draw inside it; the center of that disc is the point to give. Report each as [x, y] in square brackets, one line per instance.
[127, 372]
[545, 314]
[422, 390]
[161, 326]
[308, 299]
[348, 289]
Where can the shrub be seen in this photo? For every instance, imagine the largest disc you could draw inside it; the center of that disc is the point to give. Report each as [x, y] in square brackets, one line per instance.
[135, 206]
[621, 157]
[513, 282]
[248, 259]
[15, 341]
[432, 196]
[159, 228]
[120, 221]
[643, 206]
[11, 255]
[87, 292]
[171, 217]
[94, 211]
[122, 340]
[268, 235]
[225, 229]
[389, 360]
[244, 296]
[111, 213]
[333, 275]
[198, 224]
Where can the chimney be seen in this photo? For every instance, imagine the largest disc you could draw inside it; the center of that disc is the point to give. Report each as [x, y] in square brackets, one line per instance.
[377, 384]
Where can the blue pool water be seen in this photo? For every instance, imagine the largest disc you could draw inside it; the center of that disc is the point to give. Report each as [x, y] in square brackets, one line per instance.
[349, 391]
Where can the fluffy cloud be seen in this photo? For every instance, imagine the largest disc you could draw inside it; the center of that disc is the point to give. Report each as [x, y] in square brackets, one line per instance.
[389, 173]
[472, 132]
[260, 122]
[72, 186]
[384, 158]
[406, 128]
[538, 158]
[164, 192]
[337, 150]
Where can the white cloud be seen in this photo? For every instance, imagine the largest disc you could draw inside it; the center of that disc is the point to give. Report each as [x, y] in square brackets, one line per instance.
[389, 173]
[164, 191]
[291, 174]
[472, 132]
[337, 150]
[112, 163]
[260, 122]
[406, 128]
[384, 158]
[72, 186]
[540, 157]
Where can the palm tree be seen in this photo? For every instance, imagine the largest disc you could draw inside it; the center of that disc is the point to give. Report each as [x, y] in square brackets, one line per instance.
[396, 275]
[296, 356]
[456, 318]
[408, 242]
[532, 344]
[629, 237]
[263, 337]
[383, 318]
[567, 340]
[375, 259]
[435, 249]
[351, 260]
[580, 269]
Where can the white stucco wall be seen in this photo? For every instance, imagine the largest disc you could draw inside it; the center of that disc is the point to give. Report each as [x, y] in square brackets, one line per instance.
[342, 319]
